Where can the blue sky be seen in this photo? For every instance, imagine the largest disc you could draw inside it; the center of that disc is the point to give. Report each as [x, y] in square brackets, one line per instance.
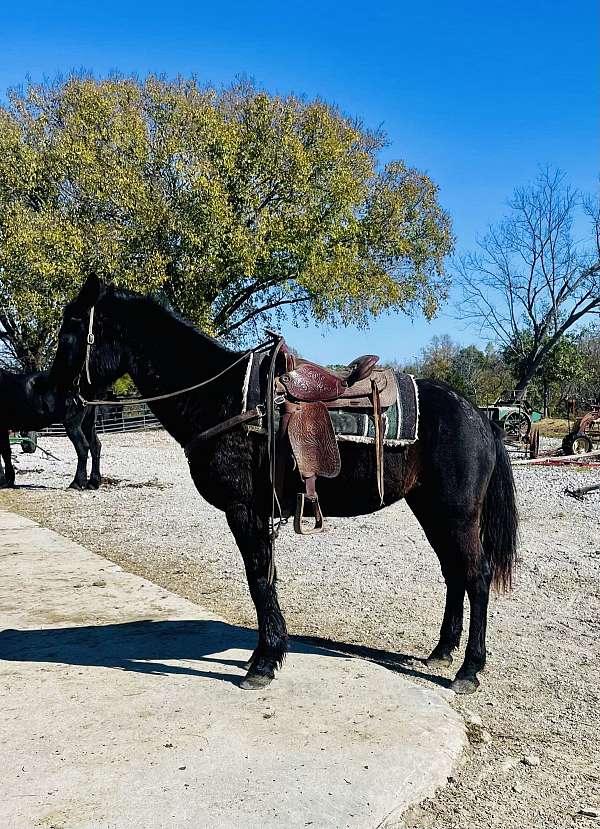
[475, 94]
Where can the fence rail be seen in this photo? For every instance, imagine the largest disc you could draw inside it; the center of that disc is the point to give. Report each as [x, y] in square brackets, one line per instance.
[132, 417]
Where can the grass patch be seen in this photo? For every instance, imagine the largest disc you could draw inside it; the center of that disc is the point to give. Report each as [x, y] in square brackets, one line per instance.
[553, 427]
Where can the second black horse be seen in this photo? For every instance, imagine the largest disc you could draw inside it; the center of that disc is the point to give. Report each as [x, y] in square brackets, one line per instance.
[30, 402]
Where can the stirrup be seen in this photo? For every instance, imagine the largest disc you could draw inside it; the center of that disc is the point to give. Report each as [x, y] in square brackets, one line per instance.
[299, 515]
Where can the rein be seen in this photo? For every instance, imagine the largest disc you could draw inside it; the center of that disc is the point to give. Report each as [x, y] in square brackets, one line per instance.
[276, 342]
[179, 391]
[91, 340]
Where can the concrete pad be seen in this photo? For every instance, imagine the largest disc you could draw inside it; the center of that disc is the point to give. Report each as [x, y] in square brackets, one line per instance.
[120, 709]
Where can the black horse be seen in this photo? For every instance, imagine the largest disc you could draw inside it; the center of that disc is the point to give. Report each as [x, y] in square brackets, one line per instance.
[456, 478]
[30, 402]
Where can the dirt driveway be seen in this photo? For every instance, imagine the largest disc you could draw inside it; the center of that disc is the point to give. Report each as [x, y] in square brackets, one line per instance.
[374, 582]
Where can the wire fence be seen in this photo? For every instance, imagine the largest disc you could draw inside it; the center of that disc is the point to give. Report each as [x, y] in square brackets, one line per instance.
[131, 417]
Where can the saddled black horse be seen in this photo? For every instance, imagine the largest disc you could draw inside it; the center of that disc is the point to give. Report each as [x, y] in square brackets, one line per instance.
[456, 478]
[30, 402]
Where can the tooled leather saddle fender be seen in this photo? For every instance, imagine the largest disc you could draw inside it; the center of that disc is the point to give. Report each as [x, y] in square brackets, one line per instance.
[304, 392]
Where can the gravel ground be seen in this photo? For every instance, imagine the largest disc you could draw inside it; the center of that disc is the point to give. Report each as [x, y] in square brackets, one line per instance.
[374, 582]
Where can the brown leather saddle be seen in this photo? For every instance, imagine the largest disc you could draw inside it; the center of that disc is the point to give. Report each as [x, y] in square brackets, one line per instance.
[304, 393]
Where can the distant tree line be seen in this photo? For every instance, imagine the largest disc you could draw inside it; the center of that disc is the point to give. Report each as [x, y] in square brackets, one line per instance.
[571, 371]
[534, 279]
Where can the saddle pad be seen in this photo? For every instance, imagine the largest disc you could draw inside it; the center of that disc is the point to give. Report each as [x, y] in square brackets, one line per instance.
[400, 420]
[313, 441]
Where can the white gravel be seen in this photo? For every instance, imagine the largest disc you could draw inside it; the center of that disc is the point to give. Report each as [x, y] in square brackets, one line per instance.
[374, 581]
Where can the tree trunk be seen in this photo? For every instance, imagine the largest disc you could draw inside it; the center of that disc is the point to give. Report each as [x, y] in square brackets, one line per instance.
[527, 372]
[546, 395]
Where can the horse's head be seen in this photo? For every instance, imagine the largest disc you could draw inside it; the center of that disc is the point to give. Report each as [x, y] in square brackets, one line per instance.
[78, 336]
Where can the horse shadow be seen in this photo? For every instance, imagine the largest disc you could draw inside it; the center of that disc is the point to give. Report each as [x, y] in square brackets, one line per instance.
[148, 647]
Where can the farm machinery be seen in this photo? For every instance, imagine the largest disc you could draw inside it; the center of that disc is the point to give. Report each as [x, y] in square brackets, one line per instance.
[585, 434]
[28, 441]
[513, 413]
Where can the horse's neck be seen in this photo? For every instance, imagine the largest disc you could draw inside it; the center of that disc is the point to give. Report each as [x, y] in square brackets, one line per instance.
[170, 355]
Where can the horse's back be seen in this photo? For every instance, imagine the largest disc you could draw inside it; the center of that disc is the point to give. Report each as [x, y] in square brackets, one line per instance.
[453, 456]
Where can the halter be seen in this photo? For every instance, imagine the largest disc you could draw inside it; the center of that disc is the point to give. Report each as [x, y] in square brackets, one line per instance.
[89, 344]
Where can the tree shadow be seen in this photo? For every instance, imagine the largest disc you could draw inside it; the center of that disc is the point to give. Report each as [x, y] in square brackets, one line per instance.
[147, 647]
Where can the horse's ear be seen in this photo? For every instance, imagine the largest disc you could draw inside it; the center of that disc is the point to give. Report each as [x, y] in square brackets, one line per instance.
[90, 292]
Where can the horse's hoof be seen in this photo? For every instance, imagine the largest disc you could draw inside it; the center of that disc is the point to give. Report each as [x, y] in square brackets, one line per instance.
[76, 485]
[254, 682]
[465, 686]
[93, 484]
[439, 661]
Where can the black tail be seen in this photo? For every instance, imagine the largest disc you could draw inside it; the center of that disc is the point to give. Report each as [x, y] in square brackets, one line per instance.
[500, 519]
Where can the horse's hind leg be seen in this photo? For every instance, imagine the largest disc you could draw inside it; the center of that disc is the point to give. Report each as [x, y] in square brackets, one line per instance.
[455, 539]
[448, 543]
[452, 623]
[465, 567]
[7, 475]
[479, 578]
[88, 426]
[252, 536]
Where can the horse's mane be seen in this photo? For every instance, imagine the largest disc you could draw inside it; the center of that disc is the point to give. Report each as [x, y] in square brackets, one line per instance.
[147, 309]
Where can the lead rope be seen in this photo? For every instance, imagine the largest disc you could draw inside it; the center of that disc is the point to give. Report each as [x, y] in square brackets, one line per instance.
[272, 450]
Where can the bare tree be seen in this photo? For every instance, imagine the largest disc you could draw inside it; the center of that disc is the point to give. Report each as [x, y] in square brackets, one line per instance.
[530, 281]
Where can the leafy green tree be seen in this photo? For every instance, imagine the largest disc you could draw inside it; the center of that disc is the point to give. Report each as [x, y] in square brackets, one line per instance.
[562, 366]
[587, 390]
[581, 383]
[237, 205]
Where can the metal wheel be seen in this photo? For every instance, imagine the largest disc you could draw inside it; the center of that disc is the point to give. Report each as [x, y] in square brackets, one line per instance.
[517, 425]
[578, 444]
[28, 442]
[534, 442]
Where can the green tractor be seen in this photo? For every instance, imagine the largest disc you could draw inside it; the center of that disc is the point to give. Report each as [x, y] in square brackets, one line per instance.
[514, 414]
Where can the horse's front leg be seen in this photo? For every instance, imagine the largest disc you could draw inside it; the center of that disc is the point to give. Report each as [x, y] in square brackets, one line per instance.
[89, 429]
[251, 532]
[79, 441]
